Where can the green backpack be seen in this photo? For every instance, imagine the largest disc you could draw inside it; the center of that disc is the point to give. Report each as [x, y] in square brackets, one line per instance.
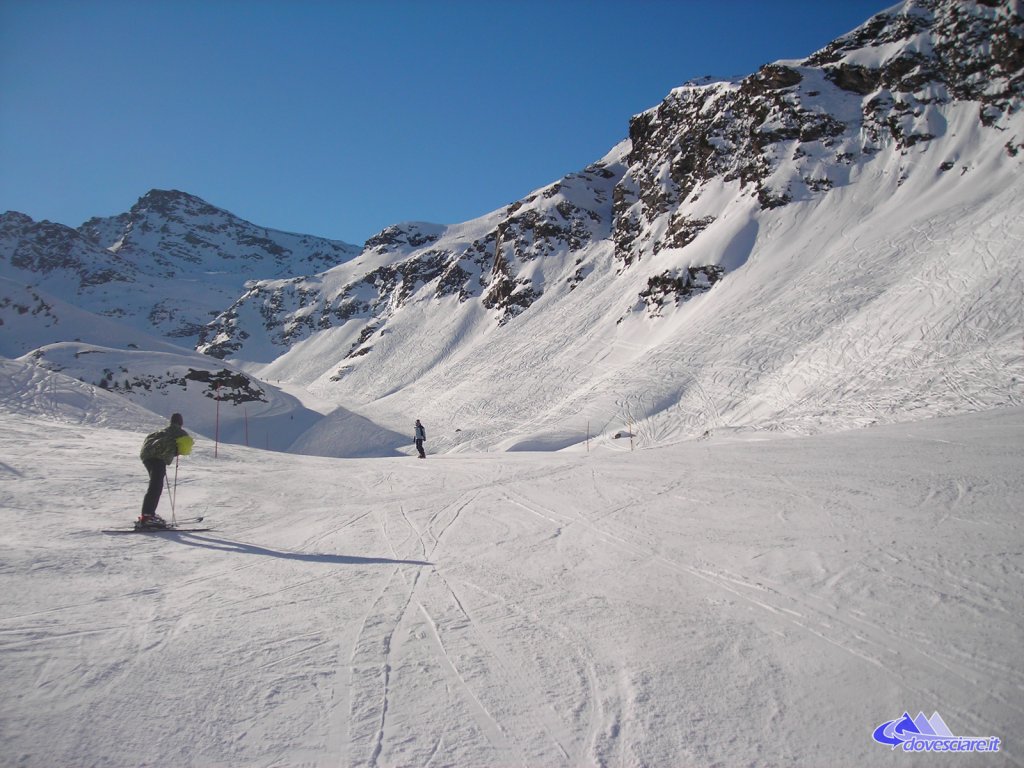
[163, 445]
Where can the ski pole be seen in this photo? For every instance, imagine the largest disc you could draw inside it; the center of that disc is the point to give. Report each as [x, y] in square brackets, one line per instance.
[172, 493]
[174, 519]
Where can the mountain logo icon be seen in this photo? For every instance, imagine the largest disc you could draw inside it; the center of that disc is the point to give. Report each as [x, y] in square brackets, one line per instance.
[929, 734]
[895, 732]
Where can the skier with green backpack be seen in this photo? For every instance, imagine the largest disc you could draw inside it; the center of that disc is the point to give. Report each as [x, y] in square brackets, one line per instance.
[159, 449]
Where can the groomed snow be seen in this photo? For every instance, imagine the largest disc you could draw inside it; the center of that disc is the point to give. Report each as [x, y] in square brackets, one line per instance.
[730, 601]
[757, 584]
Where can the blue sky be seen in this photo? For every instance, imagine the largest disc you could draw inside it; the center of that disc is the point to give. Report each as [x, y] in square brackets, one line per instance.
[339, 118]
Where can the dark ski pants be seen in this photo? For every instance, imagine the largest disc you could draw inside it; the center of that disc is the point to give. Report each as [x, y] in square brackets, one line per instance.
[419, 447]
[157, 472]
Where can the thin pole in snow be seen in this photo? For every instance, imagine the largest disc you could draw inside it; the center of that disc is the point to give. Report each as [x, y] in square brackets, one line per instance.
[174, 499]
[216, 431]
[171, 494]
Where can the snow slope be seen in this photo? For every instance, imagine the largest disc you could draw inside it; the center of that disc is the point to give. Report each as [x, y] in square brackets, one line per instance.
[218, 401]
[842, 314]
[31, 318]
[861, 207]
[731, 601]
[31, 392]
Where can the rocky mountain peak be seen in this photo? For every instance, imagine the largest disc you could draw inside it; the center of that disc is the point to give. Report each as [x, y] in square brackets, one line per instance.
[41, 252]
[167, 237]
[972, 48]
[787, 131]
[172, 203]
[156, 208]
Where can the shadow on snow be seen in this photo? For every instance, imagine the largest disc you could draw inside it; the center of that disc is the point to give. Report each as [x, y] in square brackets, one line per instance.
[226, 545]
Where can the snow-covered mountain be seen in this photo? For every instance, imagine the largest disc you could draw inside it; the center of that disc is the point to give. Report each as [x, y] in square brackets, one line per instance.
[111, 303]
[828, 242]
[166, 266]
[500, 262]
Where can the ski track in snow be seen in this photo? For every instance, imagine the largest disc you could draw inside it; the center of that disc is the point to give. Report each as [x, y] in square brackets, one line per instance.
[672, 606]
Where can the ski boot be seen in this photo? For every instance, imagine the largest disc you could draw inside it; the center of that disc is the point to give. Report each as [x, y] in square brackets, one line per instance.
[150, 522]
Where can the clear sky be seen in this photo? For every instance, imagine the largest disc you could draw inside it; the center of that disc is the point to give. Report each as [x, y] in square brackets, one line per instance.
[339, 118]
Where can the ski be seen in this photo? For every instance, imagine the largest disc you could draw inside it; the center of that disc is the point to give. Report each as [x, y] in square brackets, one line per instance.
[175, 526]
[155, 530]
[188, 520]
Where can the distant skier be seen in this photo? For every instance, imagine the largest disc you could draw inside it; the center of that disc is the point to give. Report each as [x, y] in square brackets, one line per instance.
[158, 450]
[420, 437]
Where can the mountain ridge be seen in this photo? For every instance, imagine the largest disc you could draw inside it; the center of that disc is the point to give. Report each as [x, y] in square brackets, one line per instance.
[696, 195]
[167, 235]
[756, 254]
[735, 129]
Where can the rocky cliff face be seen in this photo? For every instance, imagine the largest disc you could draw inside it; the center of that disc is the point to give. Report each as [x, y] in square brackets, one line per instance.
[791, 130]
[43, 252]
[495, 260]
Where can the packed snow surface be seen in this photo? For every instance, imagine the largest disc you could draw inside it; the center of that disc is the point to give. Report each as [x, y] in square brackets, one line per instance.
[647, 533]
[739, 600]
